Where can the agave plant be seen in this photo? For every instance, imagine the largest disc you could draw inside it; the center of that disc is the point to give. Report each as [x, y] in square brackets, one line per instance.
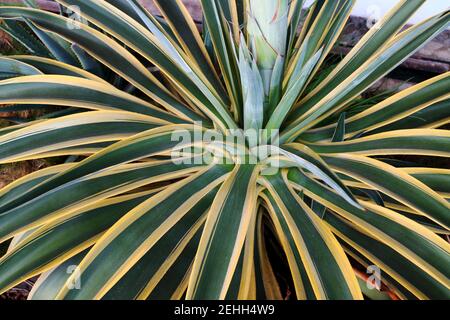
[125, 218]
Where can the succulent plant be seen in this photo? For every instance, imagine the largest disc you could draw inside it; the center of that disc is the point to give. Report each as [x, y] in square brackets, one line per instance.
[146, 207]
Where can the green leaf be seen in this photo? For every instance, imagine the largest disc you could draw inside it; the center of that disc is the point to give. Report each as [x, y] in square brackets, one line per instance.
[164, 268]
[405, 271]
[396, 184]
[229, 217]
[139, 231]
[146, 144]
[302, 284]
[51, 66]
[320, 18]
[294, 23]
[412, 241]
[339, 133]
[70, 131]
[401, 108]
[25, 37]
[437, 179]
[395, 52]
[433, 116]
[87, 61]
[276, 90]
[76, 92]
[79, 193]
[326, 265]
[252, 90]
[50, 282]
[307, 159]
[293, 91]
[63, 54]
[10, 68]
[430, 142]
[227, 63]
[372, 43]
[105, 50]
[187, 33]
[54, 243]
[267, 27]
[22, 185]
